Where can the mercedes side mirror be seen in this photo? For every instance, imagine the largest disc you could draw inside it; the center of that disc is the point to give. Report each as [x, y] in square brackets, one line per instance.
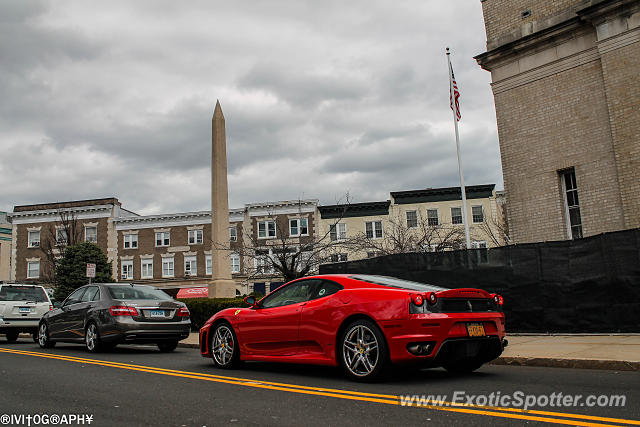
[251, 300]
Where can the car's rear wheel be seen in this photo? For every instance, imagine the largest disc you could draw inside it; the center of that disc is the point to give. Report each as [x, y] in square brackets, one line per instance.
[363, 351]
[43, 336]
[224, 347]
[12, 336]
[167, 347]
[92, 338]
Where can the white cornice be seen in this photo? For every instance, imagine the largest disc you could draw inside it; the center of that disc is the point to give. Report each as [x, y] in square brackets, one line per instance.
[285, 207]
[53, 215]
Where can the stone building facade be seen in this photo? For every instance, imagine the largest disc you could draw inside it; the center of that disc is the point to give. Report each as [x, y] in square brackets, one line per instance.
[567, 94]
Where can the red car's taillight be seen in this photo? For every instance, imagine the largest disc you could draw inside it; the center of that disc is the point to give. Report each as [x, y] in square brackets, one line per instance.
[183, 312]
[498, 299]
[417, 300]
[432, 298]
[123, 310]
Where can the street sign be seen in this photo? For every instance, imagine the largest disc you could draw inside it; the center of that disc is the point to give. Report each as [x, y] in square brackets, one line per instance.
[91, 270]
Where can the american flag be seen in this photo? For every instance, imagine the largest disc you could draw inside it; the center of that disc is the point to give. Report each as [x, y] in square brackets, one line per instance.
[454, 97]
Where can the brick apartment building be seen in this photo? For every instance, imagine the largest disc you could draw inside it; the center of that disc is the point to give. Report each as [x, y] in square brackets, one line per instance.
[173, 251]
[5, 248]
[439, 208]
[567, 94]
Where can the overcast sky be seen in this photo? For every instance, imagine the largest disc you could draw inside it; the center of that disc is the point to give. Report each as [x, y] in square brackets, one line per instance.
[115, 98]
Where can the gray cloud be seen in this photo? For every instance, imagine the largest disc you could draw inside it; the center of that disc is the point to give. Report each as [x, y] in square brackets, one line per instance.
[116, 99]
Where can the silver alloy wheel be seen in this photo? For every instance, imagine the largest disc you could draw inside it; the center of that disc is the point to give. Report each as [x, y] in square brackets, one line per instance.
[360, 350]
[42, 335]
[223, 345]
[90, 337]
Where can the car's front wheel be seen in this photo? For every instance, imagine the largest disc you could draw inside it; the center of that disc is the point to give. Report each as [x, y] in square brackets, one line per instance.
[92, 338]
[167, 347]
[363, 351]
[224, 347]
[43, 336]
[12, 336]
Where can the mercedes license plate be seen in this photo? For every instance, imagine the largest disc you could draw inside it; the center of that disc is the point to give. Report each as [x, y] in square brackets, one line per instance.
[475, 329]
[157, 313]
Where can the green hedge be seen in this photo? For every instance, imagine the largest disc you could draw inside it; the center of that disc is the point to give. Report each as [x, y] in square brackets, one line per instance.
[202, 309]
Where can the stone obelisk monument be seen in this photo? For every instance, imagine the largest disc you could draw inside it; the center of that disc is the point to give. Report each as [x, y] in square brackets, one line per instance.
[221, 285]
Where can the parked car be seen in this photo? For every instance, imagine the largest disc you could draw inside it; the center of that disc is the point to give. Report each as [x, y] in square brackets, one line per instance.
[361, 323]
[104, 315]
[21, 307]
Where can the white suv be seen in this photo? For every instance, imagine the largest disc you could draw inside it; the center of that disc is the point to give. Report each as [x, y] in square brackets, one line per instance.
[21, 307]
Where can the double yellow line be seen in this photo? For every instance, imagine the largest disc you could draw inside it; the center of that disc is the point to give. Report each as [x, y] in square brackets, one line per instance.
[492, 411]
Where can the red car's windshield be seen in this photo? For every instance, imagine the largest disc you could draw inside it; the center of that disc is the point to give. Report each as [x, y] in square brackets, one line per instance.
[397, 283]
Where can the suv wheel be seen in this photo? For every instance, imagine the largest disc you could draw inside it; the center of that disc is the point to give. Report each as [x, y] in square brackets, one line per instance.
[12, 336]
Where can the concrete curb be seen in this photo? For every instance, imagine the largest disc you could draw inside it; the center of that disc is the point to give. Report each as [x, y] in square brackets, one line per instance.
[613, 365]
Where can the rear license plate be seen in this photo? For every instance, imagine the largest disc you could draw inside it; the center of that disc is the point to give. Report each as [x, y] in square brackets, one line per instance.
[157, 313]
[475, 329]
[25, 310]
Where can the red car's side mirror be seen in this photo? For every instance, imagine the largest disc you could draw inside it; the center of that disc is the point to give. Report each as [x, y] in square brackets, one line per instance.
[251, 300]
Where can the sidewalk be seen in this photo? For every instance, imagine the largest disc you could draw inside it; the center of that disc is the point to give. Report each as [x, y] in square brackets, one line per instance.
[614, 352]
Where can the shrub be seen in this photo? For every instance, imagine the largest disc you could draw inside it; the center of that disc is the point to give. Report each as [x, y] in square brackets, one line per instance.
[202, 309]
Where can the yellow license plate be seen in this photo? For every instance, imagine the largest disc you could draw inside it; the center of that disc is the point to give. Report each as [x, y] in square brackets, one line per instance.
[475, 329]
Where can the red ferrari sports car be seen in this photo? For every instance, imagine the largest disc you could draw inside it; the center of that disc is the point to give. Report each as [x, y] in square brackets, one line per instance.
[362, 323]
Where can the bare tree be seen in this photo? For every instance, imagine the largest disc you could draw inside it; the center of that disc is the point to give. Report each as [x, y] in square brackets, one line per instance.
[285, 256]
[496, 229]
[65, 232]
[398, 237]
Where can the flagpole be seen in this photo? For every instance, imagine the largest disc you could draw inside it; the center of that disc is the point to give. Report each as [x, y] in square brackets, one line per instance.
[462, 188]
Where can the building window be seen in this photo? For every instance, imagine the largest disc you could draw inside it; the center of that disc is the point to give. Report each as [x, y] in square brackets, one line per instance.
[374, 229]
[209, 265]
[33, 269]
[162, 238]
[235, 263]
[34, 239]
[266, 229]
[432, 217]
[456, 215]
[190, 266]
[167, 267]
[263, 264]
[571, 203]
[61, 236]
[479, 245]
[130, 241]
[338, 257]
[127, 270]
[195, 237]
[477, 214]
[338, 231]
[298, 227]
[91, 234]
[373, 254]
[233, 234]
[412, 219]
[147, 268]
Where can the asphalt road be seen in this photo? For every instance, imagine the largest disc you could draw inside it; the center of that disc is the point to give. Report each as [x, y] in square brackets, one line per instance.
[136, 385]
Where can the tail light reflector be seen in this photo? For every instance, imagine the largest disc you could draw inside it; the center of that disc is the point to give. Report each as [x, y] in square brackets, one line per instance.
[183, 312]
[123, 310]
[432, 298]
[417, 299]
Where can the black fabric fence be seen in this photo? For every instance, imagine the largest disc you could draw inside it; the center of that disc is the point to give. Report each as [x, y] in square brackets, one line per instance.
[587, 285]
